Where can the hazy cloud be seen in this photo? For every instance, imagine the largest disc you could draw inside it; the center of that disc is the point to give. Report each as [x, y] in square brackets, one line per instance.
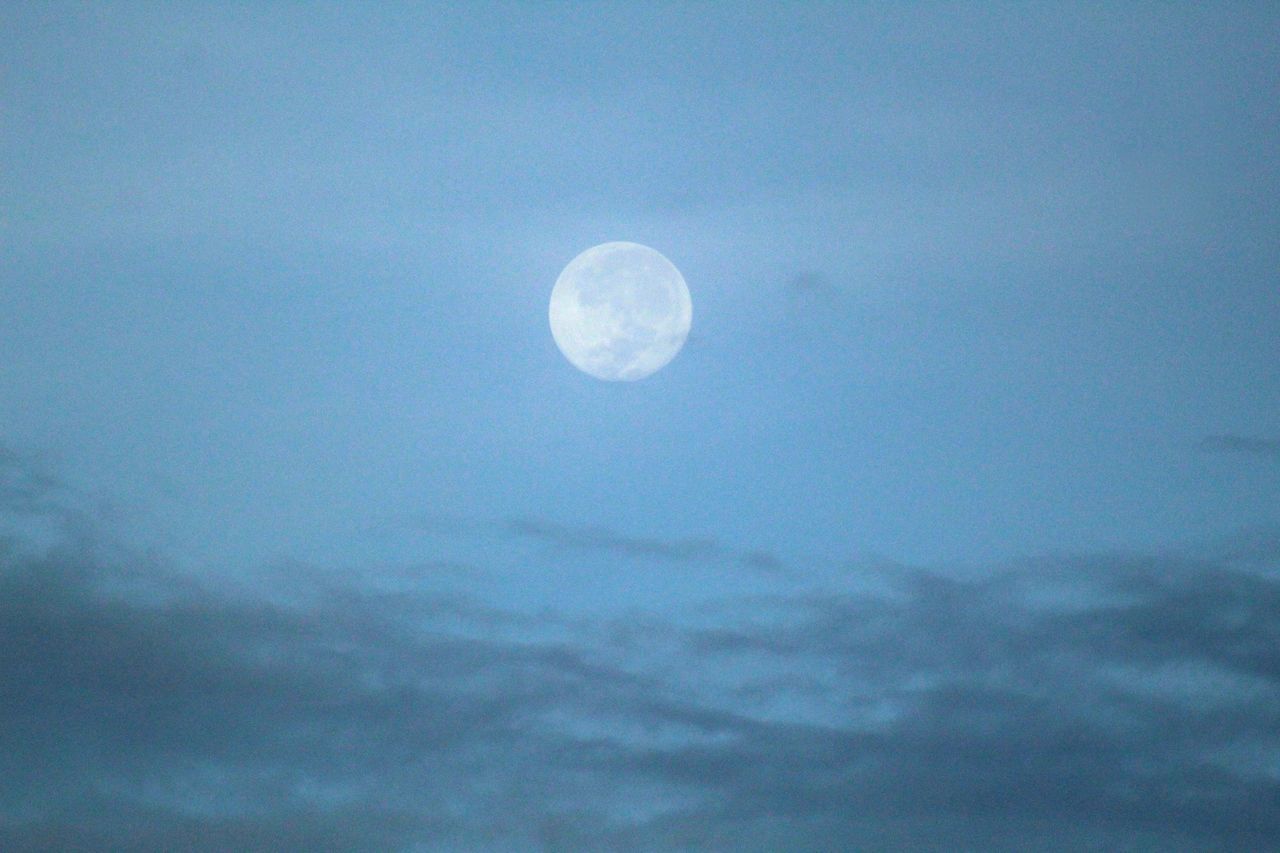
[24, 488]
[1259, 546]
[1248, 445]
[603, 540]
[1133, 702]
[606, 540]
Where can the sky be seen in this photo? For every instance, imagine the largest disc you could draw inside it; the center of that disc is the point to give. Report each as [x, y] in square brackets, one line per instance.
[954, 526]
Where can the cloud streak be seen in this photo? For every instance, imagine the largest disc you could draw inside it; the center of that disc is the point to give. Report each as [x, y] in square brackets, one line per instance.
[1264, 448]
[601, 539]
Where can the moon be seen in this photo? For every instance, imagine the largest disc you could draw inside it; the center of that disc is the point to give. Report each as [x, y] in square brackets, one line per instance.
[620, 311]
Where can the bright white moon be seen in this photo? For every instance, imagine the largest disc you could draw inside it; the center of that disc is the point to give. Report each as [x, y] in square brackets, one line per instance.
[620, 311]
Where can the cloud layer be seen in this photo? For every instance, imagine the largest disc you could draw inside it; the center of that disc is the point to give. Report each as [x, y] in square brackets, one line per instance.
[1080, 703]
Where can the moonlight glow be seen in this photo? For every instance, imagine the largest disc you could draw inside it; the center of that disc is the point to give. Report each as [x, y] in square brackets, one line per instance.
[620, 311]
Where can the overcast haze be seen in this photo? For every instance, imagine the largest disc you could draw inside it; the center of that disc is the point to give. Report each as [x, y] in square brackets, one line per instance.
[954, 526]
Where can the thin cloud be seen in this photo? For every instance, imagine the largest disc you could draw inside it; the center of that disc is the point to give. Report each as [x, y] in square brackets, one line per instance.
[27, 490]
[602, 539]
[1268, 448]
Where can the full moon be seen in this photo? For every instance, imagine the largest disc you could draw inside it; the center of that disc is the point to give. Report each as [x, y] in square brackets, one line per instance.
[620, 311]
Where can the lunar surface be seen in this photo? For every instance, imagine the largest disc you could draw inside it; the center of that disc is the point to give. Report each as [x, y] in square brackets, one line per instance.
[620, 311]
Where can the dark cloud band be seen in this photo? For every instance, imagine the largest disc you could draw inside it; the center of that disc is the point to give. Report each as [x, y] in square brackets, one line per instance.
[1078, 704]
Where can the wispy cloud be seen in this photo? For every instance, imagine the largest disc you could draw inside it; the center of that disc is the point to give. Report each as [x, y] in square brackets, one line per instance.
[1077, 703]
[1243, 444]
[25, 489]
[598, 539]
[606, 540]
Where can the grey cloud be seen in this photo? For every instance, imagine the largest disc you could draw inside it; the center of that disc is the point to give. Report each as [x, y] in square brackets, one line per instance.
[1071, 704]
[814, 297]
[602, 539]
[605, 540]
[1257, 545]
[207, 711]
[596, 539]
[814, 286]
[1001, 711]
[25, 489]
[1268, 448]
[123, 826]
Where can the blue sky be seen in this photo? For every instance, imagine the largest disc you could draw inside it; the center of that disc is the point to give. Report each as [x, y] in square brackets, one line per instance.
[985, 301]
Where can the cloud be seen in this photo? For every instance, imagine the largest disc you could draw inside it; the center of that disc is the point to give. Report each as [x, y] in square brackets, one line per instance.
[1078, 703]
[26, 490]
[1257, 546]
[1268, 448]
[812, 286]
[597, 539]
[603, 539]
